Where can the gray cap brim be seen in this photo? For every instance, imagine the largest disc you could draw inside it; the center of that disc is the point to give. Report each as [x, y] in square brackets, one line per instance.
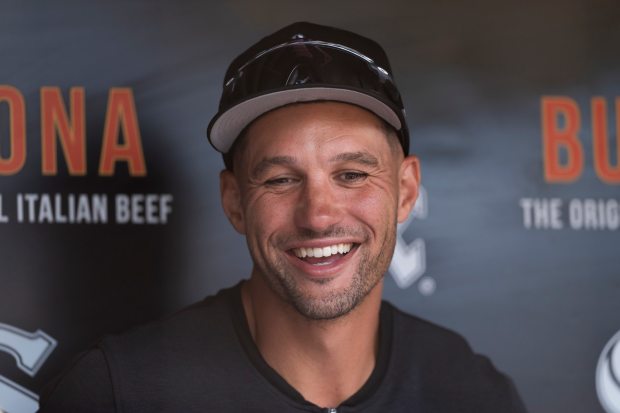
[227, 127]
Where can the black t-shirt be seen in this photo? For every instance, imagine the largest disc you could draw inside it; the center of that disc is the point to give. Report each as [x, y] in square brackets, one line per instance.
[203, 359]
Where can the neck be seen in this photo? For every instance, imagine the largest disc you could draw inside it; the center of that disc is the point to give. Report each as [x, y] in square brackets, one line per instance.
[326, 361]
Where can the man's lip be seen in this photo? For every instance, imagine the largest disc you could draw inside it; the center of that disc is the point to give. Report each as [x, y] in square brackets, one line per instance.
[323, 271]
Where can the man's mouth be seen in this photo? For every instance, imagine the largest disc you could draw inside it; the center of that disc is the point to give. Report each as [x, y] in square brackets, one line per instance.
[323, 255]
[323, 252]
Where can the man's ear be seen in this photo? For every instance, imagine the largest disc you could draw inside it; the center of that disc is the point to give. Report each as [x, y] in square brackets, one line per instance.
[231, 200]
[409, 186]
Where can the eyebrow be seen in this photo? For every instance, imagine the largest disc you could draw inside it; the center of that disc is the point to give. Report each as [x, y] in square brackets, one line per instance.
[267, 163]
[364, 158]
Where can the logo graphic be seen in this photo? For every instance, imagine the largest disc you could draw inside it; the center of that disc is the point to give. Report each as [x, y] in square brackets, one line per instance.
[409, 261]
[30, 351]
[608, 375]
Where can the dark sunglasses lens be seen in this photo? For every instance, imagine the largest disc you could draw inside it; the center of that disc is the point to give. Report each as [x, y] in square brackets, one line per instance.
[305, 64]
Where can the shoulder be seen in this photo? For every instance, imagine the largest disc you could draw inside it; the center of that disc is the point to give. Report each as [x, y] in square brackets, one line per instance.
[202, 322]
[157, 361]
[85, 383]
[426, 335]
[197, 341]
[446, 371]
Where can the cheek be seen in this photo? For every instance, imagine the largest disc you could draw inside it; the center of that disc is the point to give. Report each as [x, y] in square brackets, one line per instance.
[265, 213]
[373, 206]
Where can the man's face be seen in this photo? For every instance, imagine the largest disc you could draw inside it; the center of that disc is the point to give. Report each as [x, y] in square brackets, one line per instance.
[318, 190]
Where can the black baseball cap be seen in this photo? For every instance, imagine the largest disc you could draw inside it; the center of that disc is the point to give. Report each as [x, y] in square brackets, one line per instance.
[306, 62]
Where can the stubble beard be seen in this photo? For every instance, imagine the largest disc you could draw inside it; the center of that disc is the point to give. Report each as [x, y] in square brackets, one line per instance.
[332, 304]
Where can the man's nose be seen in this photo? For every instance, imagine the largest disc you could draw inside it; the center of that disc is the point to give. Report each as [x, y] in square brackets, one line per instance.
[319, 206]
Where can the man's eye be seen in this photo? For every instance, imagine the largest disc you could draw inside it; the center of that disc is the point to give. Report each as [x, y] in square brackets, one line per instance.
[353, 176]
[279, 181]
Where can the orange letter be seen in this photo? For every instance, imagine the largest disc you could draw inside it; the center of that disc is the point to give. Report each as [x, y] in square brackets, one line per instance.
[121, 113]
[607, 172]
[72, 138]
[17, 137]
[556, 138]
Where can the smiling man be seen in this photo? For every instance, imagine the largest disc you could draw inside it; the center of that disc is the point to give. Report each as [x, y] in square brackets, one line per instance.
[318, 174]
[317, 191]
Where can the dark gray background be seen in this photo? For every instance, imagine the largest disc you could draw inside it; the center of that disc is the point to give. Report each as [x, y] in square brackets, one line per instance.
[541, 304]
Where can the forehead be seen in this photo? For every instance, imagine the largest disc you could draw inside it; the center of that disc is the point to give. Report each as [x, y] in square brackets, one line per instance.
[319, 128]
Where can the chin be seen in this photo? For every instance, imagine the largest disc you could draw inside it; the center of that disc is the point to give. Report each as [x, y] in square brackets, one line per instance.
[326, 301]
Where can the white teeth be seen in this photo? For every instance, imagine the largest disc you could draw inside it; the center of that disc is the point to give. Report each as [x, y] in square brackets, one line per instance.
[323, 252]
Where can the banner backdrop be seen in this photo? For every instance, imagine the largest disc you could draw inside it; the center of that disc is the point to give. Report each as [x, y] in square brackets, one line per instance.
[109, 199]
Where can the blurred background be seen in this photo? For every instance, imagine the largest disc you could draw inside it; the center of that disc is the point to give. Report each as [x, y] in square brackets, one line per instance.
[109, 199]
